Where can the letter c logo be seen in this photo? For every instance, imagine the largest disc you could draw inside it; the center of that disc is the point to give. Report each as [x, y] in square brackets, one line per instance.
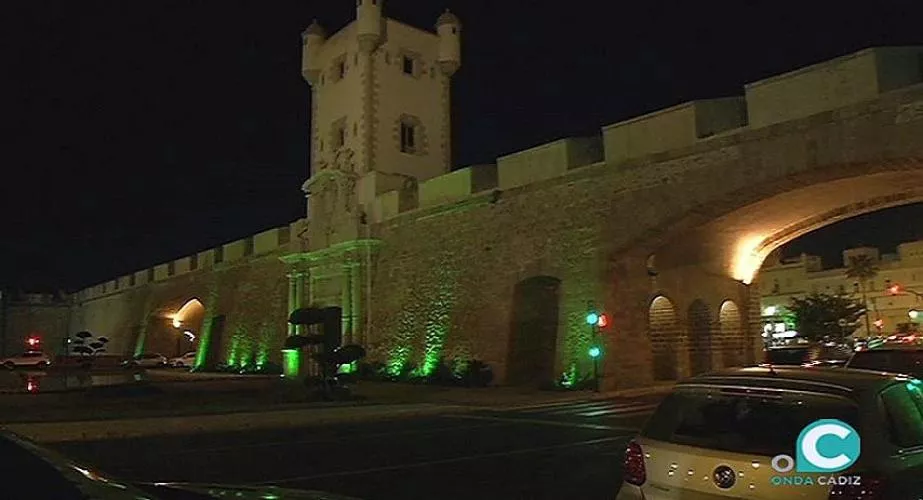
[827, 445]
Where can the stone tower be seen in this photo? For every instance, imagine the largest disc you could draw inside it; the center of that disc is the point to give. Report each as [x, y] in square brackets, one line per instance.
[380, 115]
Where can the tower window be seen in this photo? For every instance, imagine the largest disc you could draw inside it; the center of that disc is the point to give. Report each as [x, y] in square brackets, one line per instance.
[341, 70]
[407, 65]
[408, 137]
[338, 134]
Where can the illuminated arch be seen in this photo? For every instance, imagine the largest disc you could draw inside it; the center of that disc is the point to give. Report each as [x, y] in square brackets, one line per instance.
[731, 341]
[666, 339]
[192, 309]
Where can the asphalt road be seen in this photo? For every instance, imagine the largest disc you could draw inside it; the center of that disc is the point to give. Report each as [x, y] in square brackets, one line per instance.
[558, 451]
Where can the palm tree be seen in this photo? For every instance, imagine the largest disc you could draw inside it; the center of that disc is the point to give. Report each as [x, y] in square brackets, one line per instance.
[863, 269]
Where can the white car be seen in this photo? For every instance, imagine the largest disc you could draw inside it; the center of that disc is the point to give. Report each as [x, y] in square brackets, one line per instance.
[185, 361]
[28, 358]
[150, 360]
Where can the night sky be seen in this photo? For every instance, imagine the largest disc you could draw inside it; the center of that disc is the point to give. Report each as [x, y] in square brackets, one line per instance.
[142, 131]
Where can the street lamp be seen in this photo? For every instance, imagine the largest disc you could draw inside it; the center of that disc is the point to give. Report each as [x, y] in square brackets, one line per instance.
[913, 313]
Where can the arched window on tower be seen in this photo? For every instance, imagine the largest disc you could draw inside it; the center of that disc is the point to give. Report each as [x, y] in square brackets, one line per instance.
[411, 135]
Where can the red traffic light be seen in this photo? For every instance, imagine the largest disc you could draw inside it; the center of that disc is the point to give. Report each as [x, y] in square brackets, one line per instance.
[603, 321]
[33, 341]
[894, 289]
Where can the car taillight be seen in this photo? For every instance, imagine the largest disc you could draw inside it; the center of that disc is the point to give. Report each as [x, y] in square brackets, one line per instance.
[633, 467]
[870, 487]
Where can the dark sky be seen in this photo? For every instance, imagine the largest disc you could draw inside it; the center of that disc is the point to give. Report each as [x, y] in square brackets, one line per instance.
[140, 131]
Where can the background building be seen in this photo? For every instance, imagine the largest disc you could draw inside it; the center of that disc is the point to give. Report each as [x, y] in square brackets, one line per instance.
[42, 315]
[780, 280]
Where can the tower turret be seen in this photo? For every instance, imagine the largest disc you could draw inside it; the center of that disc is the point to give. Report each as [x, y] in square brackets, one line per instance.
[449, 29]
[368, 22]
[312, 39]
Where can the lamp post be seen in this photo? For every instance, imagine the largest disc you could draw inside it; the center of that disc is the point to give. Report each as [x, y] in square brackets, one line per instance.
[594, 353]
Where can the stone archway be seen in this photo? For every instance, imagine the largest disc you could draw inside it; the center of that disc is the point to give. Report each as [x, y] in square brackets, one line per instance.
[534, 331]
[666, 339]
[700, 335]
[173, 331]
[731, 344]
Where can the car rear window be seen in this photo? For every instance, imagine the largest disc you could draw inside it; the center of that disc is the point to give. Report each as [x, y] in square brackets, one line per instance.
[903, 408]
[729, 420]
[910, 361]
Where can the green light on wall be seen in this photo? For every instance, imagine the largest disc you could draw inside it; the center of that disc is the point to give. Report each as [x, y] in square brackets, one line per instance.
[291, 362]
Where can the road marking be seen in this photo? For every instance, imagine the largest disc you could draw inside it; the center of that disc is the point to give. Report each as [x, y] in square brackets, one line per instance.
[571, 408]
[539, 405]
[625, 410]
[597, 427]
[428, 463]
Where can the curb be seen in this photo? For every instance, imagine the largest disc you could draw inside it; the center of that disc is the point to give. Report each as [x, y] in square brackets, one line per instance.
[61, 432]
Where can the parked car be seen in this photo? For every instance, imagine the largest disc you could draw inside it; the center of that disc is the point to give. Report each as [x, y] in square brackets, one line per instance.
[149, 360]
[808, 354]
[37, 472]
[185, 361]
[36, 359]
[716, 435]
[898, 358]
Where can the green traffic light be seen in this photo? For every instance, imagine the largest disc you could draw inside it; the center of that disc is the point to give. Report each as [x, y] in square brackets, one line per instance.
[594, 352]
[592, 318]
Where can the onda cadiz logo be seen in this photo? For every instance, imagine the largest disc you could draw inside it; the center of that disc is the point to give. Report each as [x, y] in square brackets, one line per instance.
[825, 446]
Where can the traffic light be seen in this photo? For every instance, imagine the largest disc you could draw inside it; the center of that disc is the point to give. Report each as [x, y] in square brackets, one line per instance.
[894, 289]
[33, 342]
[592, 318]
[597, 319]
[594, 352]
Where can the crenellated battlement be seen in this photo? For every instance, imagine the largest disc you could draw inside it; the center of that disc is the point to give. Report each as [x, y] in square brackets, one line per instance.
[233, 253]
[791, 97]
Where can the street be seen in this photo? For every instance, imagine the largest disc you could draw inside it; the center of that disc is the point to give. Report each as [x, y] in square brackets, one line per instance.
[571, 450]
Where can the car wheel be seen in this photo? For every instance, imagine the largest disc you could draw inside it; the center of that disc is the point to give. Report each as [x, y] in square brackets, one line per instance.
[9, 365]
